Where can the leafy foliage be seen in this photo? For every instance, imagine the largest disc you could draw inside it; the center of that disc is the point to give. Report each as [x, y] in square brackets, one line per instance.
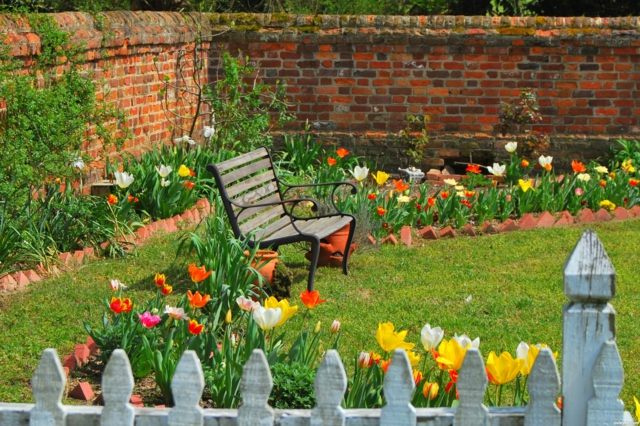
[292, 386]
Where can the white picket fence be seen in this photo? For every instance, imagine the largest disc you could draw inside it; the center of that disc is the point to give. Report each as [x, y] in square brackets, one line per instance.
[592, 376]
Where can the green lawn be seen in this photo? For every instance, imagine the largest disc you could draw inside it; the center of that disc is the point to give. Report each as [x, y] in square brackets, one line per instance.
[503, 288]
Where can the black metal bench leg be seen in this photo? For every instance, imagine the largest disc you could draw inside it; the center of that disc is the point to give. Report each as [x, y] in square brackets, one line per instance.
[347, 249]
[315, 254]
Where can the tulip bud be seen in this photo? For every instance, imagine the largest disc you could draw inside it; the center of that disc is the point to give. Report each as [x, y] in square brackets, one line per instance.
[335, 326]
[364, 360]
[317, 328]
[430, 390]
[228, 317]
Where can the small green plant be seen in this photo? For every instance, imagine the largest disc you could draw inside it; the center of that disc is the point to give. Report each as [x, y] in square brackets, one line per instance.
[292, 386]
[416, 137]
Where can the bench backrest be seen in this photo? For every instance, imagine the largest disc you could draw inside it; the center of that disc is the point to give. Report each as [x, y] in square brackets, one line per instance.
[247, 180]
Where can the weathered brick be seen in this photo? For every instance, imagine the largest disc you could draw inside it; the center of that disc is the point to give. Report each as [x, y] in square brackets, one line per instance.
[429, 233]
[602, 215]
[545, 220]
[447, 232]
[585, 216]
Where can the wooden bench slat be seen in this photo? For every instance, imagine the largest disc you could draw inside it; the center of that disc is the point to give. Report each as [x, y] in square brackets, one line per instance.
[258, 194]
[245, 171]
[265, 233]
[262, 219]
[242, 159]
[253, 211]
[319, 227]
[246, 185]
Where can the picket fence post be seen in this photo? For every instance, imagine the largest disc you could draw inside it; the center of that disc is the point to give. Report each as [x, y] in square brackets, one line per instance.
[330, 386]
[255, 388]
[117, 385]
[472, 384]
[588, 322]
[48, 384]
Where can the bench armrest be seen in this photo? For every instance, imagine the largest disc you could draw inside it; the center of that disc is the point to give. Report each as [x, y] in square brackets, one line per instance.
[336, 185]
[275, 203]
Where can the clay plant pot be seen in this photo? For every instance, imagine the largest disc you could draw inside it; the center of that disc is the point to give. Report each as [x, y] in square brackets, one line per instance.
[339, 239]
[265, 263]
[329, 256]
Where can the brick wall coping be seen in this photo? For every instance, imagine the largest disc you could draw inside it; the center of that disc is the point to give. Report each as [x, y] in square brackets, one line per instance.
[112, 29]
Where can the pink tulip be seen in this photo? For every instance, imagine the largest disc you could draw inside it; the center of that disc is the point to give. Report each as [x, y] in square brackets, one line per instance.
[149, 320]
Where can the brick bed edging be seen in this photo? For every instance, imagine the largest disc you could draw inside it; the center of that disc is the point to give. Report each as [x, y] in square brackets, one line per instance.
[527, 221]
[70, 260]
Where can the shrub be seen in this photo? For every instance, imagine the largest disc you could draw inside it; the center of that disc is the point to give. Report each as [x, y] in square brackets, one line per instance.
[292, 386]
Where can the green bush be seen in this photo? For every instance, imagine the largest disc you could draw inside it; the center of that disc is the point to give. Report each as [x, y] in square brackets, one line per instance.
[292, 386]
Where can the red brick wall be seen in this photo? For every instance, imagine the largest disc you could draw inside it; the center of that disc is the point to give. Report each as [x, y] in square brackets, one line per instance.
[356, 78]
[128, 55]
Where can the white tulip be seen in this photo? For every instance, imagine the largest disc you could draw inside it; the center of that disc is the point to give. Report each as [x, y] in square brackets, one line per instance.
[164, 182]
[78, 163]
[163, 170]
[511, 147]
[584, 177]
[175, 313]
[497, 169]
[602, 170]
[431, 337]
[403, 199]
[208, 131]
[246, 304]
[465, 342]
[360, 173]
[267, 318]
[117, 285]
[522, 351]
[451, 182]
[545, 162]
[123, 179]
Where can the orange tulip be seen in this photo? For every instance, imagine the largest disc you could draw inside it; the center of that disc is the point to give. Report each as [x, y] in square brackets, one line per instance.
[119, 305]
[112, 199]
[132, 199]
[444, 195]
[166, 289]
[371, 196]
[195, 327]
[430, 390]
[331, 161]
[384, 364]
[342, 152]
[196, 300]
[160, 280]
[634, 182]
[524, 163]
[431, 201]
[198, 274]
[189, 185]
[311, 299]
[381, 211]
[400, 185]
[578, 167]
[473, 168]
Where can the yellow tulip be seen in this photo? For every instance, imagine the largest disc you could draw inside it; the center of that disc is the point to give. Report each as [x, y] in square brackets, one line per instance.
[184, 171]
[390, 340]
[380, 177]
[430, 390]
[228, 318]
[525, 185]
[414, 358]
[637, 403]
[502, 369]
[287, 311]
[450, 355]
[627, 166]
[608, 205]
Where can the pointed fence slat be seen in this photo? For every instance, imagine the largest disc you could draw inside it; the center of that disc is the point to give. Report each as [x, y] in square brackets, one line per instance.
[589, 283]
[330, 386]
[186, 387]
[255, 387]
[472, 383]
[543, 386]
[117, 385]
[605, 408]
[398, 390]
[48, 384]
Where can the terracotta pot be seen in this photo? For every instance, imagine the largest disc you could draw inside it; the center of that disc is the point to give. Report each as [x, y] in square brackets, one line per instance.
[339, 239]
[329, 256]
[265, 263]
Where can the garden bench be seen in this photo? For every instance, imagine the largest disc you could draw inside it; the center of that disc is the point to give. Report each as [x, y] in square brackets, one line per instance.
[256, 206]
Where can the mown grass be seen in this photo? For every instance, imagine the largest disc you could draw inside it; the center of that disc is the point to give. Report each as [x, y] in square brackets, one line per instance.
[502, 288]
